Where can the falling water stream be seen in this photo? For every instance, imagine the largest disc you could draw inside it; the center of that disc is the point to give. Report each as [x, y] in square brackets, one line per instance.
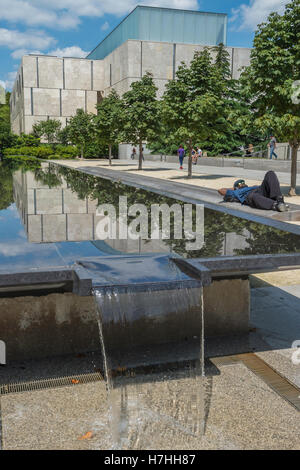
[155, 386]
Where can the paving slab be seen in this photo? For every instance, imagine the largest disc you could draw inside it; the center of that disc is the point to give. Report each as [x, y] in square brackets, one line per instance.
[281, 360]
[275, 312]
[286, 278]
[235, 410]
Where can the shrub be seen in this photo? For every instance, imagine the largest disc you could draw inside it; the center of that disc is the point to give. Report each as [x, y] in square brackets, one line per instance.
[63, 156]
[45, 152]
[15, 160]
[26, 140]
[40, 152]
[67, 150]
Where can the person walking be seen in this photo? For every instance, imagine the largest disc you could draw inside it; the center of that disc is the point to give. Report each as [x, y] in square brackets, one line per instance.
[133, 153]
[267, 196]
[181, 155]
[272, 145]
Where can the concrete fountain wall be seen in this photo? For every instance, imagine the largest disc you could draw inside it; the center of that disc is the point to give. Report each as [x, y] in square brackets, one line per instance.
[57, 324]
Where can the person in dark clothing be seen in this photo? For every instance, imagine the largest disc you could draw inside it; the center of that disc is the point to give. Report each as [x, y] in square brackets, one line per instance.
[272, 145]
[133, 153]
[181, 155]
[266, 196]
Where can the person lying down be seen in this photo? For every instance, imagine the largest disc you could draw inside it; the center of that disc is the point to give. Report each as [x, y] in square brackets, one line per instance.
[267, 196]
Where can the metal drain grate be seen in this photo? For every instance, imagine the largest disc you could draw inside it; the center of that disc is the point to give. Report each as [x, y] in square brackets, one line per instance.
[278, 383]
[50, 383]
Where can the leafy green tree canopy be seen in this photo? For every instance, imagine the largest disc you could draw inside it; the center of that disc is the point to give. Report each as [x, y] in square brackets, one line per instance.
[108, 123]
[47, 129]
[6, 137]
[193, 106]
[139, 114]
[273, 76]
[81, 129]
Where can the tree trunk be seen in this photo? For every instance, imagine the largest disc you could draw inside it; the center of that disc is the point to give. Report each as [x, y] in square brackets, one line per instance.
[141, 155]
[292, 191]
[109, 154]
[190, 160]
[81, 154]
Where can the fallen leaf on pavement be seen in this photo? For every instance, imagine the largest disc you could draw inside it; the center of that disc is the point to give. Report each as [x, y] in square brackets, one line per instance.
[88, 435]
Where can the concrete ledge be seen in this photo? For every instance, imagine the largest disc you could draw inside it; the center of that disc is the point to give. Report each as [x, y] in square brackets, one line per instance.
[74, 279]
[58, 324]
[237, 266]
[227, 307]
[51, 325]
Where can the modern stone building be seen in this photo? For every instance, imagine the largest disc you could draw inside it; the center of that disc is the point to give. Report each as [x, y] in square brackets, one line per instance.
[148, 39]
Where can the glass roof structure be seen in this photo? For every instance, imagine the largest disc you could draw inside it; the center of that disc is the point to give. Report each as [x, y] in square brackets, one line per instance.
[165, 25]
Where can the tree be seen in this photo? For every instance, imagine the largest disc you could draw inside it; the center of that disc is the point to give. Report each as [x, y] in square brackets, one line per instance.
[232, 137]
[164, 143]
[6, 186]
[140, 114]
[6, 137]
[47, 129]
[108, 124]
[193, 106]
[272, 78]
[238, 109]
[81, 130]
[63, 136]
[222, 61]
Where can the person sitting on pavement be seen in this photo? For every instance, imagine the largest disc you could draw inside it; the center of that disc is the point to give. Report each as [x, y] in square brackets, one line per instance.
[194, 157]
[267, 196]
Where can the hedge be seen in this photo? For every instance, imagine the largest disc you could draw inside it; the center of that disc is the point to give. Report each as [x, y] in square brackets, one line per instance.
[41, 152]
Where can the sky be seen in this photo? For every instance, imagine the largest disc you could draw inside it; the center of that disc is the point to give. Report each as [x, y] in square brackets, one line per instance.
[72, 28]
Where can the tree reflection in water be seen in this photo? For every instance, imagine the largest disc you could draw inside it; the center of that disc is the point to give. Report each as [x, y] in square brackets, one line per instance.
[258, 238]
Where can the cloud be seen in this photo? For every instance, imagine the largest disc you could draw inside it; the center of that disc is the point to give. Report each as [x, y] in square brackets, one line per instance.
[62, 14]
[9, 81]
[72, 51]
[105, 26]
[18, 53]
[66, 14]
[14, 39]
[21, 247]
[2, 101]
[31, 13]
[247, 17]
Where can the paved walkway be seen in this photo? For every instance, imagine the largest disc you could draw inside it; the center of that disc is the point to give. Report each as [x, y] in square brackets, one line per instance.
[199, 189]
[210, 177]
[256, 175]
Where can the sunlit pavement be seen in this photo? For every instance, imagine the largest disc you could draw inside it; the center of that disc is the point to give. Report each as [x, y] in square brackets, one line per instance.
[239, 410]
[209, 177]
